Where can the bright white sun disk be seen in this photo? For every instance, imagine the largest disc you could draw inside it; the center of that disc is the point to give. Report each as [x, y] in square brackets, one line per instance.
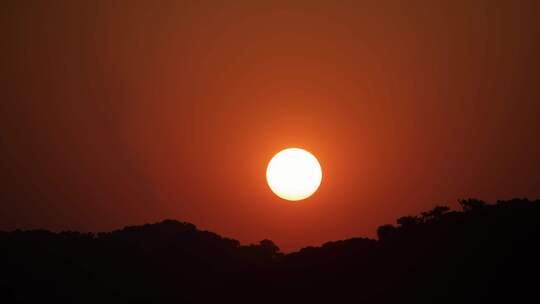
[294, 174]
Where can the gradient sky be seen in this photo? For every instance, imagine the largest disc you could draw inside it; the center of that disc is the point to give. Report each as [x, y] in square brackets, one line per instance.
[117, 113]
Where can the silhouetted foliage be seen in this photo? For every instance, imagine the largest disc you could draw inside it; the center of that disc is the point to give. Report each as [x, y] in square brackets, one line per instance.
[435, 214]
[485, 253]
[386, 231]
[471, 204]
[269, 247]
[408, 221]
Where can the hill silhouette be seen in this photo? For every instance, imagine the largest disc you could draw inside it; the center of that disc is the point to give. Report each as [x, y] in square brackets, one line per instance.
[484, 253]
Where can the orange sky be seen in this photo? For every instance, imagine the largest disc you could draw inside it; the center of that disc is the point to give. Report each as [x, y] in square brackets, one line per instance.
[119, 113]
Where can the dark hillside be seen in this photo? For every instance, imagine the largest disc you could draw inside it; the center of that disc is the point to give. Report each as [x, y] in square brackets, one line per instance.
[486, 252]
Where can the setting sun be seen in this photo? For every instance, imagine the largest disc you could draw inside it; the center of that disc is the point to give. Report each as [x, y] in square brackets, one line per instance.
[294, 174]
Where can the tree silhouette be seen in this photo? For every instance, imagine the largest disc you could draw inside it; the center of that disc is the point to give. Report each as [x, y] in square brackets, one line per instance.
[485, 253]
[434, 214]
[471, 204]
[408, 221]
[269, 247]
[385, 232]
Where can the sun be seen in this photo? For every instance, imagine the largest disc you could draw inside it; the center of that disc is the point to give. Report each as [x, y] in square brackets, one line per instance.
[294, 174]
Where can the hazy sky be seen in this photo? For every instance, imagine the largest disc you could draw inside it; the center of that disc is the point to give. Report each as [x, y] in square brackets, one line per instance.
[117, 113]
